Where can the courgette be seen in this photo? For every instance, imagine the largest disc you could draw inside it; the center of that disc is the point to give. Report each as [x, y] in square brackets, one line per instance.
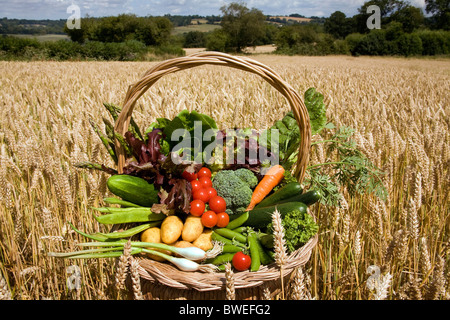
[308, 198]
[291, 189]
[261, 217]
[133, 189]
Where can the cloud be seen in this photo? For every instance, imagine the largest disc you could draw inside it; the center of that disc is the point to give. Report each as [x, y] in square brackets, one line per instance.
[56, 9]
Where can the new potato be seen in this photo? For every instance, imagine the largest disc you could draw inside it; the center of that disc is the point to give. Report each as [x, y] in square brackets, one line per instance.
[192, 228]
[171, 229]
[204, 240]
[153, 235]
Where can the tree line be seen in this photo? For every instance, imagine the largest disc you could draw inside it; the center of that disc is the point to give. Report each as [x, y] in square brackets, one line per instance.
[405, 30]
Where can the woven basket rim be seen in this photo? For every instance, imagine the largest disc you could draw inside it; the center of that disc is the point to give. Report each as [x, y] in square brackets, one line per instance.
[165, 273]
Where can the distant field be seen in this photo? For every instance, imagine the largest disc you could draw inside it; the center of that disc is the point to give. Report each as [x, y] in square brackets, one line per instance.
[195, 27]
[292, 18]
[43, 37]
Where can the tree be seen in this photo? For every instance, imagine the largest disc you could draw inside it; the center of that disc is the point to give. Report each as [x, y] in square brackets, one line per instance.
[410, 17]
[338, 25]
[243, 26]
[441, 12]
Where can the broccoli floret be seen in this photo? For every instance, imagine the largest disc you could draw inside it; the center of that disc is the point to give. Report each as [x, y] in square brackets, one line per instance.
[236, 191]
[247, 176]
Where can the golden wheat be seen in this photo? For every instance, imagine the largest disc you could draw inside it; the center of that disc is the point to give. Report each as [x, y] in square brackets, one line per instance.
[398, 107]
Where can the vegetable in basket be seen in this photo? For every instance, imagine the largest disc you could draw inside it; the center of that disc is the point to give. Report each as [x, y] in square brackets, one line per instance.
[235, 187]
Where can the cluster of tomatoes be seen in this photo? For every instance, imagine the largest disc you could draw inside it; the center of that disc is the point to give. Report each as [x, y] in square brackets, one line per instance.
[204, 194]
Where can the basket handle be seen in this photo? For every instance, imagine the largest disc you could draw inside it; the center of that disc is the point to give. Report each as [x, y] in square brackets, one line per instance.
[136, 90]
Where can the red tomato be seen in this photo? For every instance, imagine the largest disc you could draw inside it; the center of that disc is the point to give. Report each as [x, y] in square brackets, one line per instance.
[205, 182]
[241, 261]
[201, 195]
[204, 172]
[197, 208]
[209, 219]
[222, 219]
[217, 204]
[211, 192]
[195, 186]
[189, 176]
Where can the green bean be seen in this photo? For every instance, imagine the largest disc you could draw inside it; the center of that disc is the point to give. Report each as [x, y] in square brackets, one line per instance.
[230, 234]
[132, 231]
[121, 202]
[129, 210]
[254, 252]
[129, 216]
[239, 221]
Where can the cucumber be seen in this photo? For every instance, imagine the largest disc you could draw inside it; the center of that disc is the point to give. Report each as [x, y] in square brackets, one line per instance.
[291, 189]
[308, 198]
[261, 217]
[133, 189]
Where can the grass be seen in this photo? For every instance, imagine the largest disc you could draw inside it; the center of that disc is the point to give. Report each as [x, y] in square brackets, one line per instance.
[399, 108]
[43, 37]
[195, 27]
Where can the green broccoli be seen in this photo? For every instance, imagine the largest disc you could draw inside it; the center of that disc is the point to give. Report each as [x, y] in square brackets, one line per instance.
[235, 186]
[299, 227]
[247, 176]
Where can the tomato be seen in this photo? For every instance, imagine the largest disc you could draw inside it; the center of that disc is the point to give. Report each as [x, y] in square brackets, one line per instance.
[217, 204]
[211, 192]
[197, 208]
[204, 173]
[241, 261]
[195, 186]
[201, 195]
[189, 176]
[222, 219]
[205, 182]
[209, 219]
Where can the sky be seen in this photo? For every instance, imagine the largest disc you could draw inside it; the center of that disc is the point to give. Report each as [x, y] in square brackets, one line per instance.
[58, 9]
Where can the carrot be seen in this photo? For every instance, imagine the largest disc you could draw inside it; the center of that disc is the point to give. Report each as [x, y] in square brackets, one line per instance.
[272, 178]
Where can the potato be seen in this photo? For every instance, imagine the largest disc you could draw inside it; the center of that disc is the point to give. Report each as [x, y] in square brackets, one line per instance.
[171, 228]
[192, 228]
[204, 240]
[182, 244]
[153, 235]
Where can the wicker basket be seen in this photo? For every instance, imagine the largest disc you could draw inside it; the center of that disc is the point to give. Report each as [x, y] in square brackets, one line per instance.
[164, 281]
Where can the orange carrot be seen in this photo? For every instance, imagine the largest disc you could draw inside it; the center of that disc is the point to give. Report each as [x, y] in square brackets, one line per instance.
[272, 178]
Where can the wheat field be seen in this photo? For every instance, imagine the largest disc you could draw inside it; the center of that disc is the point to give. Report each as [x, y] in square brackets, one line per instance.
[399, 108]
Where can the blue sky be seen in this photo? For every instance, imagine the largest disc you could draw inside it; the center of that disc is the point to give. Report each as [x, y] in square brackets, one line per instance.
[57, 9]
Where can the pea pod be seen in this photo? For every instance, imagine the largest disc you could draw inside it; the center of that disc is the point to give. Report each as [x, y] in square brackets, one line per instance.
[221, 259]
[129, 215]
[230, 248]
[217, 237]
[239, 221]
[254, 252]
[241, 230]
[132, 231]
[230, 234]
